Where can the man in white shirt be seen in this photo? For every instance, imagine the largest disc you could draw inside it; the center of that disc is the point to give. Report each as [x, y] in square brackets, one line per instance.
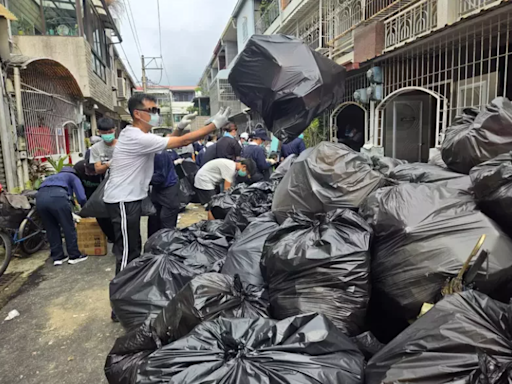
[131, 169]
[102, 151]
[216, 172]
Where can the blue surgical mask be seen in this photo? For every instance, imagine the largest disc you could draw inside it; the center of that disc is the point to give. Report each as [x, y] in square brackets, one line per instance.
[154, 121]
[108, 137]
[301, 136]
[242, 173]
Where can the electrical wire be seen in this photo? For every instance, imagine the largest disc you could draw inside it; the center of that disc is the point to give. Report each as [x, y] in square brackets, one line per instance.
[133, 27]
[159, 26]
[129, 65]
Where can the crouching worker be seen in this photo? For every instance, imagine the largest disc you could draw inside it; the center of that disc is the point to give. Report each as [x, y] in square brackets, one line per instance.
[220, 171]
[54, 205]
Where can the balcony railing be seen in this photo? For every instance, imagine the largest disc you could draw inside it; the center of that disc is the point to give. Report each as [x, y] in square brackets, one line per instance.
[469, 6]
[410, 23]
[268, 16]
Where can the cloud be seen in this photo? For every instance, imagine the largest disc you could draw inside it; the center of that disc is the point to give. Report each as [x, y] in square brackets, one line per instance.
[190, 31]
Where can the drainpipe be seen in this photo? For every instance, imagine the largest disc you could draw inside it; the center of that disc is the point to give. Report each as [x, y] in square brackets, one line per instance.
[22, 164]
[7, 147]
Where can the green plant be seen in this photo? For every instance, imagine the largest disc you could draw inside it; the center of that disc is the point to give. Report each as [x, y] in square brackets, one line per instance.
[167, 121]
[58, 164]
[192, 109]
[37, 170]
[315, 133]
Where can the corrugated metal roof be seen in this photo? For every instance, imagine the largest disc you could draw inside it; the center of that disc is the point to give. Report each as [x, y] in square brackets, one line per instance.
[4, 12]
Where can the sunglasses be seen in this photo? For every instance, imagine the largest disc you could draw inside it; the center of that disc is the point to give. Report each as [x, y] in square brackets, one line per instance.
[150, 110]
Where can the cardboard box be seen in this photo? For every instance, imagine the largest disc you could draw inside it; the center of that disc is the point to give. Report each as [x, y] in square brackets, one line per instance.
[91, 239]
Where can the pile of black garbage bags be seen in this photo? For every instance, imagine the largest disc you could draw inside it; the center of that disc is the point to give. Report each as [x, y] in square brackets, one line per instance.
[334, 271]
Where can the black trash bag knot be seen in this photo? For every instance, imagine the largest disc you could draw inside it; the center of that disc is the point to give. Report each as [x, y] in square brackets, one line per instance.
[232, 347]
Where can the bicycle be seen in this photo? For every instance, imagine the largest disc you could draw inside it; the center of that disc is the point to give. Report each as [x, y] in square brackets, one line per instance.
[30, 236]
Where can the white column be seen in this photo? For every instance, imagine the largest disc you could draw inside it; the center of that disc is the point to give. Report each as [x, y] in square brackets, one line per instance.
[447, 12]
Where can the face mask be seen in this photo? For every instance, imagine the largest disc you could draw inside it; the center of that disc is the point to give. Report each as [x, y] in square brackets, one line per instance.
[242, 173]
[154, 121]
[109, 137]
[301, 136]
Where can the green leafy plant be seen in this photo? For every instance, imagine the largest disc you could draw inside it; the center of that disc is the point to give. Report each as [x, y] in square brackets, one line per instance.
[315, 133]
[58, 164]
[192, 109]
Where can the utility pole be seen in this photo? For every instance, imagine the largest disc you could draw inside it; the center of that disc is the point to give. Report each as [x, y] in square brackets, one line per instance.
[144, 79]
[148, 67]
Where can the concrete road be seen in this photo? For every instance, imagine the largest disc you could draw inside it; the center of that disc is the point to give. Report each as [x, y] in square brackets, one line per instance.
[64, 332]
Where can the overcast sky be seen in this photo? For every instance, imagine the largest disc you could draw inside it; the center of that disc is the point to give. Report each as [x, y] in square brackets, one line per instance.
[190, 30]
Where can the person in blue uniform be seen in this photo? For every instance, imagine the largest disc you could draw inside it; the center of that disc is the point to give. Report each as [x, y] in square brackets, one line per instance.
[294, 147]
[255, 150]
[54, 205]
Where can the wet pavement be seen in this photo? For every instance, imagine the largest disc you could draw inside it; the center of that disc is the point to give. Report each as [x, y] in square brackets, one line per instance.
[64, 331]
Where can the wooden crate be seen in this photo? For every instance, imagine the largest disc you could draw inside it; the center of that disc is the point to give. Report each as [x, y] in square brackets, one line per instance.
[91, 239]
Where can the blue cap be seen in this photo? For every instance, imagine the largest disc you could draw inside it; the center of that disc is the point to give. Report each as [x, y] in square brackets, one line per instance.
[260, 134]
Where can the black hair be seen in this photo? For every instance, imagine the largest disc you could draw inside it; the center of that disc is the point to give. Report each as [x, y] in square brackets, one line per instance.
[209, 138]
[106, 124]
[137, 101]
[251, 166]
[228, 128]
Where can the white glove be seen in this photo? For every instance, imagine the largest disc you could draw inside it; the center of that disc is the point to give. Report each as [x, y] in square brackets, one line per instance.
[178, 162]
[221, 118]
[271, 161]
[76, 218]
[187, 120]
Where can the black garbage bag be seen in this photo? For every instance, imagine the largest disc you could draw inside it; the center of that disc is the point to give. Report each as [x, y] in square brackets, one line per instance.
[145, 287]
[286, 82]
[320, 265]
[245, 254]
[95, 206]
[325, 178]
[192, 246]
[478, 136]
[254, 201]
[13, 210]
[283, 168]
[423, 235]
[219, 228]
[306, 349]
[437, 159]
[452, 343]
[368, 344]
[431, 174]
[206, 297]
[187, 193]
[221, 203]
[385, 164]
[492, 186]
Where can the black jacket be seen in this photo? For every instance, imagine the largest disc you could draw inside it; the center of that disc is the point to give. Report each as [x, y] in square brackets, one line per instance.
[225, 148]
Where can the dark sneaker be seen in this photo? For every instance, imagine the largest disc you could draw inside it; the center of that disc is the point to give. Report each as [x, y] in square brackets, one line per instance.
[56, 263]
[114, 317]
[77, 260]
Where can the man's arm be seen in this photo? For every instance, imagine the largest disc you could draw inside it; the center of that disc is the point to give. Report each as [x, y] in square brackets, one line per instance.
[261, 161]
[78, 190]
[100, 169]
[218, 121]
[302, 146]
[227, 185]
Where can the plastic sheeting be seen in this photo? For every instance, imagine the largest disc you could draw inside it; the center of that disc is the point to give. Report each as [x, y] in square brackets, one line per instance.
[446, 345]
[254, 201]
[492, 186]
[322, 266]
[431, 174]
[423, 235]
[325, 178]
[245, 254]
[286, 82]
[385, 164]
[478, 136]
[305, 349]
[283, 168]
[195, 247]
[221, 203]
[145, 287]
[206, 297]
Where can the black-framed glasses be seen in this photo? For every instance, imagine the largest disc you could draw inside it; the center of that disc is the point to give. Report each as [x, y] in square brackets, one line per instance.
[150, 110]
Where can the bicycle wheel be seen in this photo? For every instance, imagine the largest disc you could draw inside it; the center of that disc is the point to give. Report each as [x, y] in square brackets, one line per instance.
[31, 229]
[5, 251]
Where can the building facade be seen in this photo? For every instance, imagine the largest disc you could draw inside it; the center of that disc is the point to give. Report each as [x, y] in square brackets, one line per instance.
[63, 74]
[428, 60]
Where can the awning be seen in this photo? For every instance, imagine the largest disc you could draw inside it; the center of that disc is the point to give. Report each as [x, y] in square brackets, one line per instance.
[123, 113]
[4, 12]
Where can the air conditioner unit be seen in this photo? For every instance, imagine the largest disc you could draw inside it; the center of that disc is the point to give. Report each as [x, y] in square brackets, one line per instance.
[121, 88]
[361, 96]
[374, 75]
[374, 92]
